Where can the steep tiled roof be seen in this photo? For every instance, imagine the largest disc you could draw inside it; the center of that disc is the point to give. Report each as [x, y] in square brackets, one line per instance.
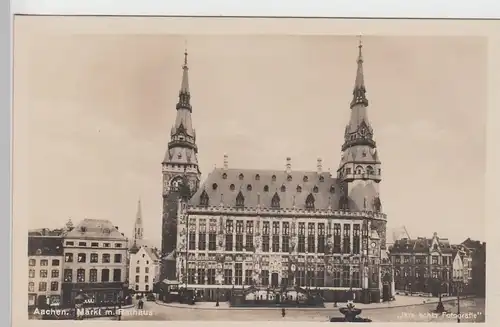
[420, 245]
[96, 229]
[45, 245]
[260, 186]
[153, 253]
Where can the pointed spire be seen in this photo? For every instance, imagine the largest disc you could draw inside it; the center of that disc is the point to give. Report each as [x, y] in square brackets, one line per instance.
[138, 216]
[359, 92]
[184, 95]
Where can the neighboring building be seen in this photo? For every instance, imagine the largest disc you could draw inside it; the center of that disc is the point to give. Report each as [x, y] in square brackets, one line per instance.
[269, 228]
[94, 262]
[144, 268]
[462, 264]
[45, 258]
[422, 264]
[478, 249]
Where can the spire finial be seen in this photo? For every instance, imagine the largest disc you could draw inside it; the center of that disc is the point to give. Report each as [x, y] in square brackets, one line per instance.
[185, 54]
[360, 47]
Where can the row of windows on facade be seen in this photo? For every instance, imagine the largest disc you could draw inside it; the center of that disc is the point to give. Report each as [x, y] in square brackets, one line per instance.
[272, 244]
[94, 258]
[43, 273]
[138, 279]
[93, 244]
[42, 287]
[44, 262]
[420, 260]
[146, 288]
[420, 274]
[360, 171]
[81, 273]
[278, 228]
[344, 278]
[138, 269]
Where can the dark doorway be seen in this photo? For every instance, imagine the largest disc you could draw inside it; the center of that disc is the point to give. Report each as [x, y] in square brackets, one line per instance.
[274, 280]
[386, 292]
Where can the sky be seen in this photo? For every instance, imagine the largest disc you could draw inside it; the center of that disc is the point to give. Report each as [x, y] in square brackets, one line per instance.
[93, 114]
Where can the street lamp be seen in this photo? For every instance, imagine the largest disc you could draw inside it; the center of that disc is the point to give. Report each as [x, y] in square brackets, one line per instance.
[119, 305]
[219, 282]
[459, 289]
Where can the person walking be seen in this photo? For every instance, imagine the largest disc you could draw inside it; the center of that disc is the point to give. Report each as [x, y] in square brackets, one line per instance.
[283, 313]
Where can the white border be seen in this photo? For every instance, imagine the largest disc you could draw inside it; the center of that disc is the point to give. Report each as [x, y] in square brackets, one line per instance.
[483, 9]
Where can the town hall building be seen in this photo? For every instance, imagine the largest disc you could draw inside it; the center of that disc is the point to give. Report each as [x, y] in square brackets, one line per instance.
[277, 228]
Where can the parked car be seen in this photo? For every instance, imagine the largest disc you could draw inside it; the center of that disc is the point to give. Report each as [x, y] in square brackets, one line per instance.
[150, 297]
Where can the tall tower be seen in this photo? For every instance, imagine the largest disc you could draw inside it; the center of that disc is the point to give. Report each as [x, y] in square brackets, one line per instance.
[360, 166]
[138, 227]
[180, 171]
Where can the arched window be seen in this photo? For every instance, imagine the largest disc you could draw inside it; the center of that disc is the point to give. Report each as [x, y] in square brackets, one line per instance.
[299, 188]
[266, 188]
[240, 200]
[204, 198]
[305, 179]
[224, 176]
[257, 177]
[332, 189]
[249, 187]
[315, 189]
[273, 178]
[321, 178]
[214, 186]
[370, 171]
[275, 202]
[310, 201]
[283, 188]
[231, 187]
[241, 177]
[359, 170]
[289, 178]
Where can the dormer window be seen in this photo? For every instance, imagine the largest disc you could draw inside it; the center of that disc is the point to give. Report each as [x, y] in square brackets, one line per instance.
[214, 186]
[310, 202]
[299, 188]
[241, 177]
[305, 179]
[257, 177]
[359, 170]
[370, 170]
[224, 176]
[275, 202]
[289, 178]
[283, 188]
[273, 178]
[204, 199]
[315, 189]
[231, 187]
[266, 188]
[240, 200]
[332, 189]
[321, 178]
[249, 187]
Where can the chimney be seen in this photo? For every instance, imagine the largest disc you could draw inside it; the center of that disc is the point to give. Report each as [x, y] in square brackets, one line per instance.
[288, 165]
[225, 161]
[319, 165]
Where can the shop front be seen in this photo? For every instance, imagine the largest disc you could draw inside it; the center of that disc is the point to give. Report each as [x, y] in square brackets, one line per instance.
[102, 294]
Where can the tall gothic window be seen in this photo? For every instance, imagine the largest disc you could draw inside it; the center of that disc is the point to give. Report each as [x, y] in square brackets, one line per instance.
[202, 235]
[310, 238]
[238, 272]
[204, 199]
[336, 238]
[346, 271]
[249, 236]
[275, 202]
[285, 239]
[356, 239]
[301, 246]
[321, 238]
[310, 201]
[265, 237]
[239, 235]
[276, 236]
[229, 235]
[240, 200]
[347, 239]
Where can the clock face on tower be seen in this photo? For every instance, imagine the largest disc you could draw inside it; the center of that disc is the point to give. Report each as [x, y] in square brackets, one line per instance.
[373, 244]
